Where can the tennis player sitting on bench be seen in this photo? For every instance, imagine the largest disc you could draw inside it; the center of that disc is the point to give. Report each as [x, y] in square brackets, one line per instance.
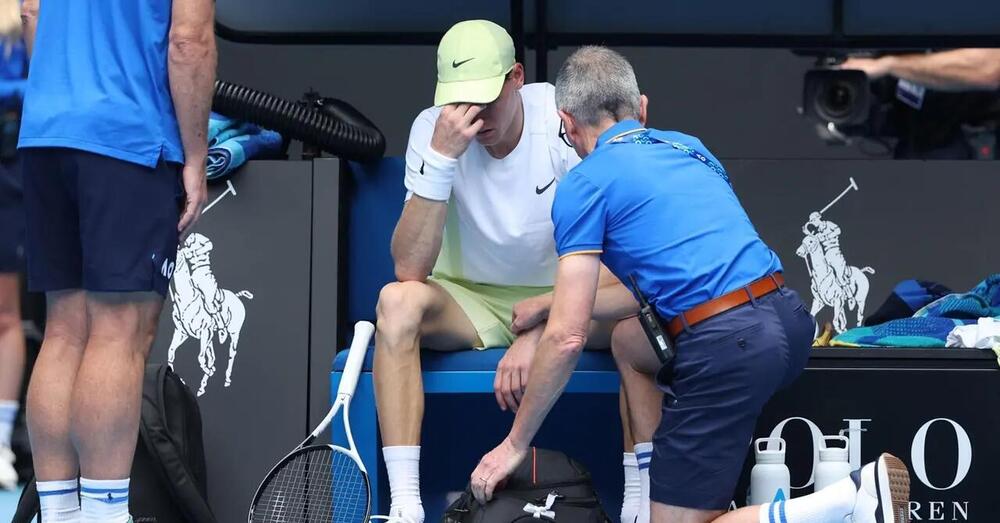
[481, 170]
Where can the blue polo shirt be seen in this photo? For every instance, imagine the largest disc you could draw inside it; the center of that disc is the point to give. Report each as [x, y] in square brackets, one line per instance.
[98, 81]
[645, 201]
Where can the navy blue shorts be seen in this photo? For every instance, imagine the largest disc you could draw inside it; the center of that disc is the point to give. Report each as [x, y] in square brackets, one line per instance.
[726, 369]
[11, 218]
[98, 223]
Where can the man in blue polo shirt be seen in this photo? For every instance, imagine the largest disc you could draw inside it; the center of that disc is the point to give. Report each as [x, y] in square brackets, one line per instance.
[656, 206]
[113, 141]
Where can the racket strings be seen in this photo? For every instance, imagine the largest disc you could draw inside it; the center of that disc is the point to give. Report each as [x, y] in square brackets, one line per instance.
[316, 485]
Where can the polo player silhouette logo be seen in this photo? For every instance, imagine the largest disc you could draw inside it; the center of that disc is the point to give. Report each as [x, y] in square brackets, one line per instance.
[835, 284]
[202, 310]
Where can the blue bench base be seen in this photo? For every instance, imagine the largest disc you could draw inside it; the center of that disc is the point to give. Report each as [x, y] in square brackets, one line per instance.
[462, 421]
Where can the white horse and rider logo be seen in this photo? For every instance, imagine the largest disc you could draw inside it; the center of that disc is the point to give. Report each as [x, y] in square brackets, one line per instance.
[835, 284]
[202, 310]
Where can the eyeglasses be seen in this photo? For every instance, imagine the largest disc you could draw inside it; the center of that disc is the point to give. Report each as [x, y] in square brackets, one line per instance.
[562, 134]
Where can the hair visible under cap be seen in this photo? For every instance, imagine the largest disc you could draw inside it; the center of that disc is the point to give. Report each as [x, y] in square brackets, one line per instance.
[596, 83]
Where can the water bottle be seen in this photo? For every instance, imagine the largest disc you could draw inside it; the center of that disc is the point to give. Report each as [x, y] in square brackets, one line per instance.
[769, 479]
[834, 463]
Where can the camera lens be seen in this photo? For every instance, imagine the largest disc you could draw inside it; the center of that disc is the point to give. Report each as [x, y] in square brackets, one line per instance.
[836, 100]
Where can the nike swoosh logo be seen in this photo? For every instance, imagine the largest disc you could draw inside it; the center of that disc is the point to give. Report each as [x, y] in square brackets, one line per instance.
[540, 190]
[422, 167]
[456, 65]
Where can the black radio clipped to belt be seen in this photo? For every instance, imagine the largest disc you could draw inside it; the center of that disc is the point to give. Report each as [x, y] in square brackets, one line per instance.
[653, 328]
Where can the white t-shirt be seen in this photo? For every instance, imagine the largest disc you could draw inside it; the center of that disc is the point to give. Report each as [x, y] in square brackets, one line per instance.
[499, 225]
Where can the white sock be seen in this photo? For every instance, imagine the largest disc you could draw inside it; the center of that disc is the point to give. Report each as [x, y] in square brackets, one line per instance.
[833, 503]
[633, 490]
[643, 455]
[104, 501]
[403, 466]
[60, 501]
[8, 412]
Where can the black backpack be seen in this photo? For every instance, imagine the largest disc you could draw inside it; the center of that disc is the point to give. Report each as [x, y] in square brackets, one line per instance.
[168, 473]
[548, 483]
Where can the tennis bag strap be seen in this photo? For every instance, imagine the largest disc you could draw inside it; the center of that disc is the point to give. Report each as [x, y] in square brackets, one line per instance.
[28, 505]
[546, 486]
[171, 431]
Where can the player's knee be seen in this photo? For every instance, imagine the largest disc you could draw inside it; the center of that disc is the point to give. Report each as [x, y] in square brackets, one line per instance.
[623, 340]
[401, 305]
[631, 349]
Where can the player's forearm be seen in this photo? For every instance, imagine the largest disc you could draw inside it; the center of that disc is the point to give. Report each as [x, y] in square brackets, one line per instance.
[550, 372]
[957, 70]
[416, 241]
[29, 21]
[192, 59]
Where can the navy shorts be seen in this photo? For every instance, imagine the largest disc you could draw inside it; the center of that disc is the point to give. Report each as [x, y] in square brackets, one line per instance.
[98, 223]
[726, 369]
[11, 218]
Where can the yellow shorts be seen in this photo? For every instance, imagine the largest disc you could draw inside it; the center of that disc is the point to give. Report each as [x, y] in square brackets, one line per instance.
[489, 307]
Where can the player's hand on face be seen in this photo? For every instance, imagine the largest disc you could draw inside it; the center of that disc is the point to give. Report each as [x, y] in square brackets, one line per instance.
[530, 312]
[494, 469]
[455, 129]
[512, 371]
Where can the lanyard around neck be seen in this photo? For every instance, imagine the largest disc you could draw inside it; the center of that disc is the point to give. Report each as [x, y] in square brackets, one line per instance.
[617, 138]
[690, 151]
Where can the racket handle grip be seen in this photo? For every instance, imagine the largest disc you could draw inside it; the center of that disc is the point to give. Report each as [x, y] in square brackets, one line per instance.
[363, 332]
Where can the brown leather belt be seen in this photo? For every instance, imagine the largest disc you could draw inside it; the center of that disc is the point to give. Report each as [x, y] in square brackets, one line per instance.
[700, 313]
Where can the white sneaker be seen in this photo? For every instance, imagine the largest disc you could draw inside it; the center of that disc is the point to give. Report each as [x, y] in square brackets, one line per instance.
[8, 476]
[883, 492]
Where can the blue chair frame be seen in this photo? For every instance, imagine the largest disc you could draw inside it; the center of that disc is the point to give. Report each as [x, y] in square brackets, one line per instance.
[463, 372]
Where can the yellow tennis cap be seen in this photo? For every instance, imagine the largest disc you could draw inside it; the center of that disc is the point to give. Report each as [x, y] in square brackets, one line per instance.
[473, 58]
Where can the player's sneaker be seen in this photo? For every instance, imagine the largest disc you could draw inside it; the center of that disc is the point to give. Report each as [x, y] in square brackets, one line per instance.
[883, 492]
[8, 476]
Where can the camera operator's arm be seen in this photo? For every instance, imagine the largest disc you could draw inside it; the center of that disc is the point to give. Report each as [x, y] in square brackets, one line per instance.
[956, 70]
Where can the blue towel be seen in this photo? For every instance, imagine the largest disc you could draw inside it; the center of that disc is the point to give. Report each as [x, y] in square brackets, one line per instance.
[908, 296]
[232, 142]
[929, 326]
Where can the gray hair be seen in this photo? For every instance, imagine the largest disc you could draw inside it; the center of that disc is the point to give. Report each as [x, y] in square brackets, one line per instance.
[597, 83]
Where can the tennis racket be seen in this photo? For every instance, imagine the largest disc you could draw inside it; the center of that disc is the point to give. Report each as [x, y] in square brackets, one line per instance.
[321, 483]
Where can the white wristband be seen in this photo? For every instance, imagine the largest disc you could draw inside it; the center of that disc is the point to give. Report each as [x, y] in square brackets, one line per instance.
[434, 178]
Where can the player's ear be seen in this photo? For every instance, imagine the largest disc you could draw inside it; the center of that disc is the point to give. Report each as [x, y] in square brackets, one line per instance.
[643, 105]
[517, 75]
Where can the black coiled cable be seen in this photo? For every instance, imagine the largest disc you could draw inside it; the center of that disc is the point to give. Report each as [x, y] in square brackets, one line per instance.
[338, 128]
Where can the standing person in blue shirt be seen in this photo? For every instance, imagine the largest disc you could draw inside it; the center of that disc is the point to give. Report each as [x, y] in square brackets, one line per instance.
[657, 206]
[113, 140]
[13, 69]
